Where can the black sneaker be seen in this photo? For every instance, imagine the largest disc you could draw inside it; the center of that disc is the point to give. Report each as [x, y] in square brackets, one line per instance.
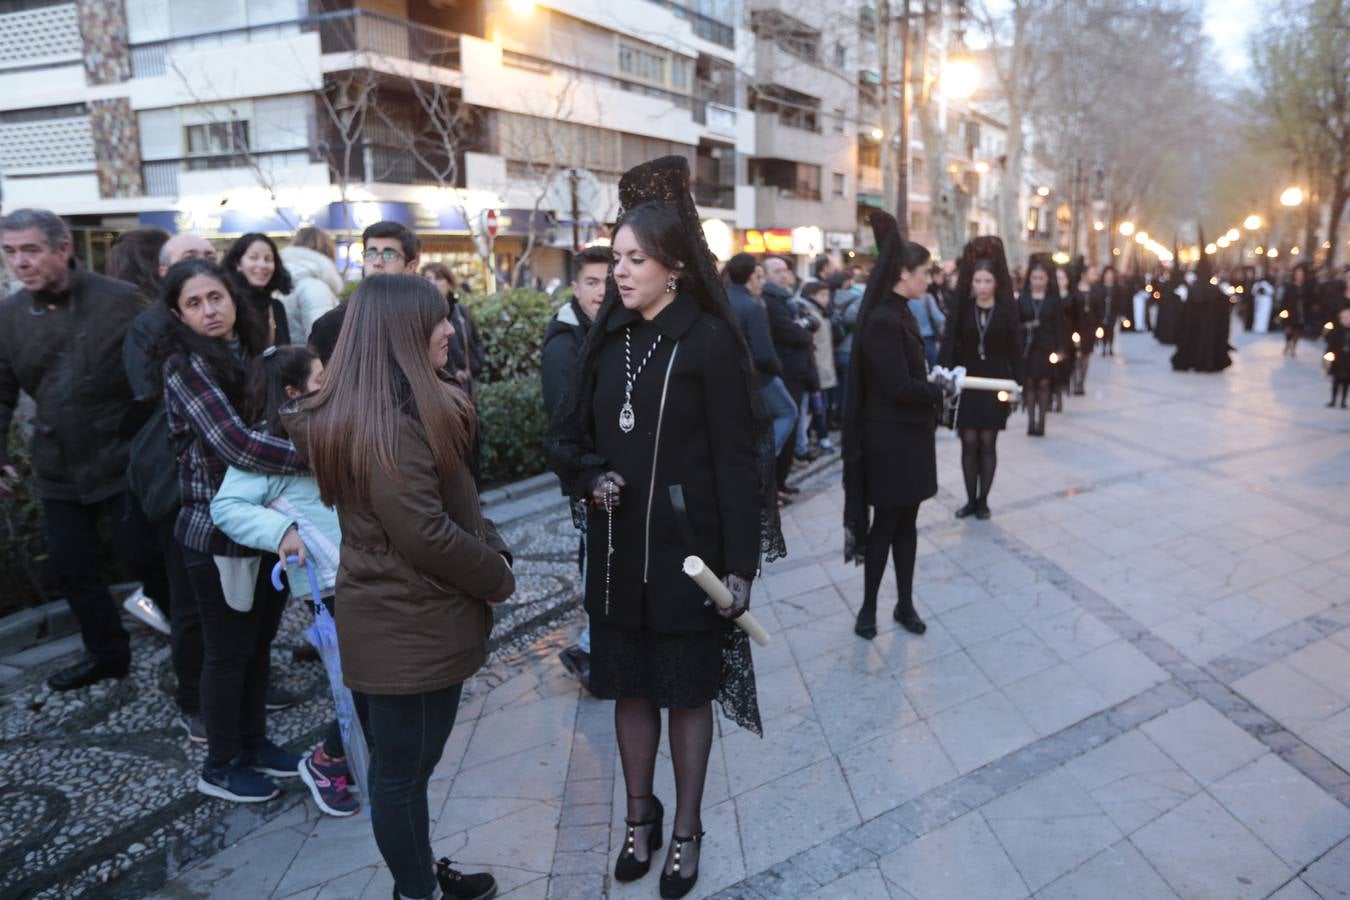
[236, 784]
[456, 885]
[279, 699]
[195, 728]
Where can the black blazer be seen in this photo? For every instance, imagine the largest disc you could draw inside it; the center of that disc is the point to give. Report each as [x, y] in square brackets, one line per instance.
[895, 376]
[899, 407]
[707, 444]
[1002, 341]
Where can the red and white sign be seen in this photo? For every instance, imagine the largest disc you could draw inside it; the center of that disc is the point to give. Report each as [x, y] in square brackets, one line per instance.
[490, 222]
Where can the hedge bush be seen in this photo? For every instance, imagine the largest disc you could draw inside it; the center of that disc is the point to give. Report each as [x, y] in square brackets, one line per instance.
[23, 540]
[510, 396]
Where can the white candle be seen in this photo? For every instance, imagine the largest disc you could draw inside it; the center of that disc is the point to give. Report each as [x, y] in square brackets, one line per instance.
[718, 593]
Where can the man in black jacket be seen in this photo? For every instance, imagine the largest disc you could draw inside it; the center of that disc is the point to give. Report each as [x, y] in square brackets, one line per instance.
[561, 350]
[60, 342]
[745, 286]
[793, 342]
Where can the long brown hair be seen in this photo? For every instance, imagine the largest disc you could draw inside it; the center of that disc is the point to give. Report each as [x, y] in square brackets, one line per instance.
[380, 371]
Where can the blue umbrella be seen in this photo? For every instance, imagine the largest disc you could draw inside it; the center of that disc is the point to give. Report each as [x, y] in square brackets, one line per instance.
[323, 635]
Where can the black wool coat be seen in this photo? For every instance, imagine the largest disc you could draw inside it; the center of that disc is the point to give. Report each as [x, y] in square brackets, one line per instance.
[695, 428]
[899, 408]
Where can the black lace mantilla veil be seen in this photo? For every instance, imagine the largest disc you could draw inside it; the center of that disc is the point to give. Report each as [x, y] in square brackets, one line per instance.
[879, 285]
[570, 450]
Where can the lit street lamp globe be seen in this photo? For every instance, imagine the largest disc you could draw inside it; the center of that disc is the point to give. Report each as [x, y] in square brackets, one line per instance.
[1252, 222]
[1126, 228]
[1232, 235]
[1291, 196]
[960, 78]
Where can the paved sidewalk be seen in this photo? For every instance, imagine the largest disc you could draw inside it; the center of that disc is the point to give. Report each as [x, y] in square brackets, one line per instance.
[1135, 683]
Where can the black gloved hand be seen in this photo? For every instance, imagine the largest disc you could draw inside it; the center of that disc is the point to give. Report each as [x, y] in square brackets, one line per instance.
[607, 490]
[740, 594]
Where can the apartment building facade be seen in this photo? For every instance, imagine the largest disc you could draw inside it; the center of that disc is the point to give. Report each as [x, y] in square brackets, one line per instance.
[460, 118]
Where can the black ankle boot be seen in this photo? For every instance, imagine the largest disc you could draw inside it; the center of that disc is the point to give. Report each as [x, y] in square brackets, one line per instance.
[675, 884]
[967, 510]
[629, 867]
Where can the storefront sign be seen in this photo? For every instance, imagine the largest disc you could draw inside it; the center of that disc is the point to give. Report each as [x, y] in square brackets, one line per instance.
[807, 240]
[839, 240]
[777, 240]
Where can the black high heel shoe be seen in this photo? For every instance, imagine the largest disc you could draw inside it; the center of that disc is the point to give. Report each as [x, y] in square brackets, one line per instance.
[865, 626]
[673, 883]
[909, 620]
[629, 867]
[967, 510]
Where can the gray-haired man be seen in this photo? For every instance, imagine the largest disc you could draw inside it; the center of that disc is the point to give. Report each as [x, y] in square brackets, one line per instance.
[61, 342]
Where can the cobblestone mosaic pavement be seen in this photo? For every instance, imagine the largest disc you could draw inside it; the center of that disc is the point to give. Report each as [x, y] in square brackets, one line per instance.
[96, 786]
[1135, 684]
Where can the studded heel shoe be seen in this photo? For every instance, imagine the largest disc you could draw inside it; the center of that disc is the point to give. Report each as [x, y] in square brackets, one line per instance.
[629, 867]
[674, 883]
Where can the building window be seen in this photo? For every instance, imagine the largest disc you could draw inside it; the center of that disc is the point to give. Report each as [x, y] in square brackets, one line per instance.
[869, 154]
[840, 184]
[840, 54]
[645, 65]
[794, 109]
[679, 73]
[796, 180]
[840, 120]
[216, 145]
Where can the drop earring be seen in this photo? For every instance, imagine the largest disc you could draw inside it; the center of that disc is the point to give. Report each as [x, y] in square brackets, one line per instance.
[672, 284]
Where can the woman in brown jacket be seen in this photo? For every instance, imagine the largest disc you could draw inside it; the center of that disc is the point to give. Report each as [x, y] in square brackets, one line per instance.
[420, 567]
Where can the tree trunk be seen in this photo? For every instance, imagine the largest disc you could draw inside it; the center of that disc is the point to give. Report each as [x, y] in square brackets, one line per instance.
[1009, 212]
[1338, 202]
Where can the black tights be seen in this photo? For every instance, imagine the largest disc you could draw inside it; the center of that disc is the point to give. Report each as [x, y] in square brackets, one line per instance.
[1038, 401]
[979, 458]
[1343, 386]
[1080, 369]
[1291, 337]
[893, 533]
[637, 722]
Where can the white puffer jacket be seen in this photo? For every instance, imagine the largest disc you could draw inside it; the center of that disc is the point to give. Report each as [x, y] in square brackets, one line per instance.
[317, 285]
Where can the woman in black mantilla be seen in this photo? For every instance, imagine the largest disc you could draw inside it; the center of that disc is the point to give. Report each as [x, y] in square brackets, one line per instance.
[1042, 315]
[984, 334]
[890, 464]
[664, 399]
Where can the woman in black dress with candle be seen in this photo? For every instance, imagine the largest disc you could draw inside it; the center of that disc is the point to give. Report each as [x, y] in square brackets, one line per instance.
[1042, 316]
[664, 435]
[889, 459]
[984, 334]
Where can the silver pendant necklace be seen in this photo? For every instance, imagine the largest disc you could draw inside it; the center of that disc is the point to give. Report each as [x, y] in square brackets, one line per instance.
[982, 324]
[627, 418]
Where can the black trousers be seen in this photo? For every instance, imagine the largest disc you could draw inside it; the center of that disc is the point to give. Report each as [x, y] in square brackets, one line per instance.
[407, 735]
[238, 658]
[73, 538]
[179, 603]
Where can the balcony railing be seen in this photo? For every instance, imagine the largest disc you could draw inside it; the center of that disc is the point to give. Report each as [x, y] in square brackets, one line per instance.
[161, 175]
[719, 196]
[539, 64]
[344, 31]
[706, 27]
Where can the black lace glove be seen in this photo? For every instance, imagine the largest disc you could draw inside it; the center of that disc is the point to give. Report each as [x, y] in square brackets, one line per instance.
[607, 491]
[740, 597]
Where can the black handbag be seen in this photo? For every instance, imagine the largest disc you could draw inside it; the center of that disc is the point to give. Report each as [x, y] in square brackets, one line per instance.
[152, 475]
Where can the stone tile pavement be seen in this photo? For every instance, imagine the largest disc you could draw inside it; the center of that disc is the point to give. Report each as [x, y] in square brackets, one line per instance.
[1135, 683]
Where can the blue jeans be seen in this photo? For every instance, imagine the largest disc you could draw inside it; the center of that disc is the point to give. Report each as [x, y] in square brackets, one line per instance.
[783, 410]
[930, 349]
[803, 425]
[407, 735]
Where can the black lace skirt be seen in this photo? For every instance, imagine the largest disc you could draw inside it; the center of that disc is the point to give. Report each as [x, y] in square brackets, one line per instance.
[677, 671]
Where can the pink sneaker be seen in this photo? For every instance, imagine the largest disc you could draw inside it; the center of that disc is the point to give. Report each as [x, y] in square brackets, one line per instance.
[327, 780]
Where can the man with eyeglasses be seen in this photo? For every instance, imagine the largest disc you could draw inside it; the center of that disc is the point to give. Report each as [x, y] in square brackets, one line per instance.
[60, 342]
[390, 249]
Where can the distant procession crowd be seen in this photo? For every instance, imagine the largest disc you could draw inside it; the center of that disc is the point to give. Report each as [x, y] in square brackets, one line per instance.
[219, 417]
